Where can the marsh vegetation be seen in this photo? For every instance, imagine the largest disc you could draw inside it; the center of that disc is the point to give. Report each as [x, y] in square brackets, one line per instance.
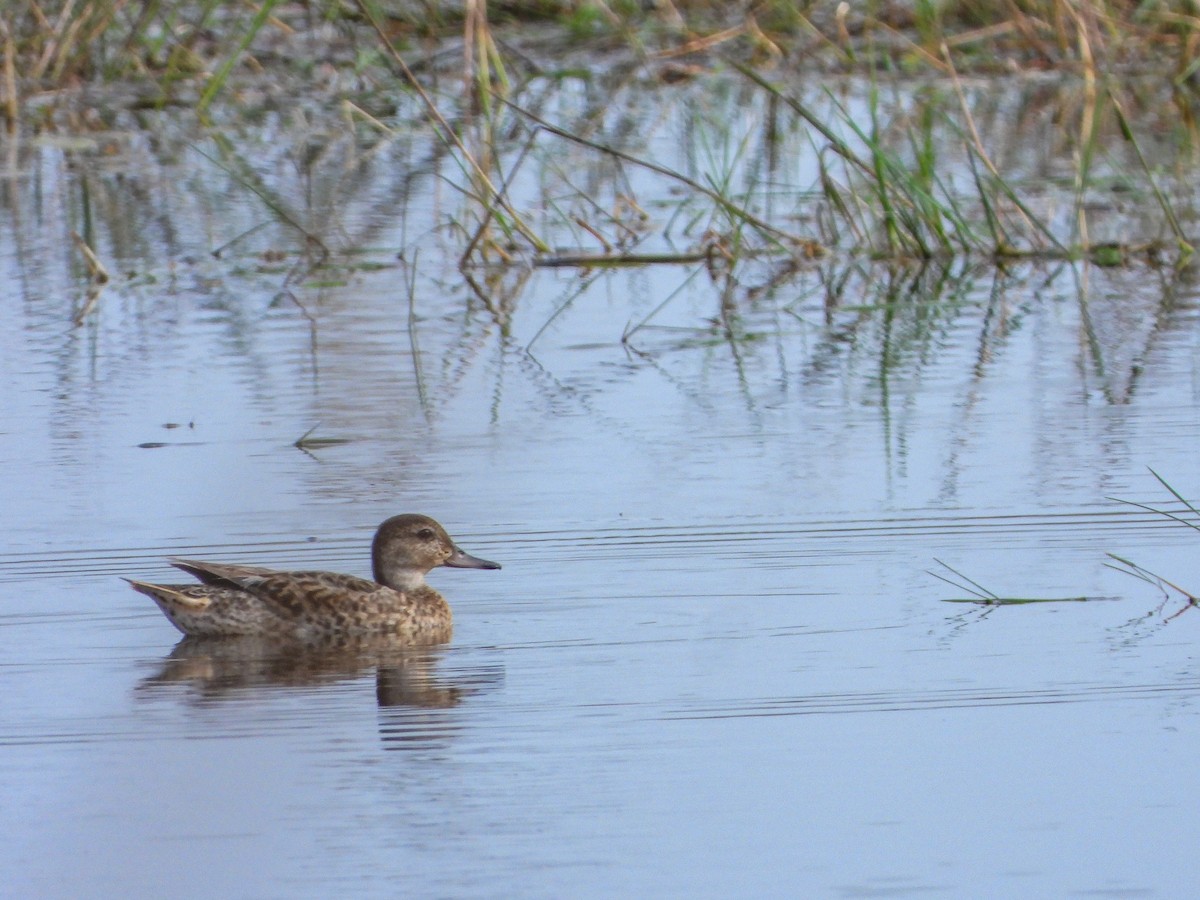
[887, 132]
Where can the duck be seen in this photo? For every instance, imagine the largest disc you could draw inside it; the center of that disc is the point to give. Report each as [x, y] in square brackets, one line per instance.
[248, 600]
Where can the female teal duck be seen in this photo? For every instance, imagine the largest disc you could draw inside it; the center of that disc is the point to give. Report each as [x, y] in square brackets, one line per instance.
[233, 599]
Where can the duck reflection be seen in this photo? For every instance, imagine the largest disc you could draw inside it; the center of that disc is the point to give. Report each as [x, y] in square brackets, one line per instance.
[411, 683]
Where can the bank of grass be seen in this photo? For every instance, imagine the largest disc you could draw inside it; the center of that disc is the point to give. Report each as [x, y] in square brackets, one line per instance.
[51, 43]
[886, 194]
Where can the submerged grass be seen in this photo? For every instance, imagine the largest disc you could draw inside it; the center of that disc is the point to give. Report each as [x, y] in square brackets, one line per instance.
[983, 596]
[307, 442]
[1129, 567]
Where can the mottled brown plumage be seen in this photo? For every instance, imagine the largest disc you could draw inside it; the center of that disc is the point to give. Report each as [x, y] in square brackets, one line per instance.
[233, 599]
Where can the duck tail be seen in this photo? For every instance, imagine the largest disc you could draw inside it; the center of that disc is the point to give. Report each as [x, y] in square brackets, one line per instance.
[169, 594]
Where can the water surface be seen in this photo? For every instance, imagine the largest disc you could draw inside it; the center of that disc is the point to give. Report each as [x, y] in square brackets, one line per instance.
[714, 663]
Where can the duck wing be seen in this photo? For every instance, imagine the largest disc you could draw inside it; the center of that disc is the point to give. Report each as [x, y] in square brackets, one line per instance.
[314, 596]
[220, 574]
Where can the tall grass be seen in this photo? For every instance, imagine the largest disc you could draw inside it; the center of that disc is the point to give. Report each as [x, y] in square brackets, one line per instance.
[884, 184]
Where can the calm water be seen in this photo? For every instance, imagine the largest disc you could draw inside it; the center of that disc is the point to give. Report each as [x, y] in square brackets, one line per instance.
[714, 663]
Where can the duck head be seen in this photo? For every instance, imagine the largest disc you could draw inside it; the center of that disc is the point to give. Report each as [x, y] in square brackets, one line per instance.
[408, 546]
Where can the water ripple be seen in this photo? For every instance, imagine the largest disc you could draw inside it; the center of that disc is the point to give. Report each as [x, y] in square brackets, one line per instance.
[746, 540]
[901, 701]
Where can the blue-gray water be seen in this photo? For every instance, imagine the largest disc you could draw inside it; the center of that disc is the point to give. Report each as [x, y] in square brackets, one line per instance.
[714, 663]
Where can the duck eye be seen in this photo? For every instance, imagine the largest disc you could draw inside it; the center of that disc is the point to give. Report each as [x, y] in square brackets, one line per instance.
[425, 534]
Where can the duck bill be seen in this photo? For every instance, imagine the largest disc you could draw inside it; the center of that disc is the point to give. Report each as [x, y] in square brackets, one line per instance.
[460, 560]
